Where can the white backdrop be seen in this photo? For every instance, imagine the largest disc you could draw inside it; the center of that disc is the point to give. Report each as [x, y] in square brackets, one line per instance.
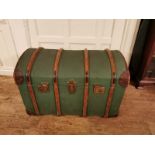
[18, 35]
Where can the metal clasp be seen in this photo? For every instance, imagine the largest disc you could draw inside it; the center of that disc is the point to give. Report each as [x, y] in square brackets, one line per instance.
[72, 87]
[43, 87]
[98, 89]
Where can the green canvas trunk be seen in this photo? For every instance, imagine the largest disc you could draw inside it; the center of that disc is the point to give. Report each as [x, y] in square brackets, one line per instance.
[75, 89]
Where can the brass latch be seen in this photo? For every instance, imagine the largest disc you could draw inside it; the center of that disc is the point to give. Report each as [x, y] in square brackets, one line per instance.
[72, 87]
[98, 89]
[43, 87]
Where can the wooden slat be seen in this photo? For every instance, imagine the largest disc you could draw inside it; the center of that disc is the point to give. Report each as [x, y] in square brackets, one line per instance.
[112, 87]
[56, 88]
[28, 79]
[85, 99]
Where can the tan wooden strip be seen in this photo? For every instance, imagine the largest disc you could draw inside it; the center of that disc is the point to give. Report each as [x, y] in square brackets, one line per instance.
[56, 88]
[28, 79]
[85, 99]
[112, 87]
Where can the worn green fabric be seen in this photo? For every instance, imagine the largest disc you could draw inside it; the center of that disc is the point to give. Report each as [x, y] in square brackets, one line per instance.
[71, 67]
[99, 74]
[21, 65]
[43, 72]
[119, 90]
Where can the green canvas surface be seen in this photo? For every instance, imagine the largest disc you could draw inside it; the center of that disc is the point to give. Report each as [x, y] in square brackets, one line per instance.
[71, 68]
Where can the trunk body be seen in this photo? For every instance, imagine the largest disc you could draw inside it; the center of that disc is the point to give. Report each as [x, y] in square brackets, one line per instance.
[71, 81]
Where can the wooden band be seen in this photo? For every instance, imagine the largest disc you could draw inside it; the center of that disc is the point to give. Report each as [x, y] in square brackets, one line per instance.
[56, 88]
[28, 79]
[85, 99]
[112, 88]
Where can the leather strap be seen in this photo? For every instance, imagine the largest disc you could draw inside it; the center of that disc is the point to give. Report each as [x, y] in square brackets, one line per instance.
[112, 88]
[56, 88]
[85, 99]
[28, 79]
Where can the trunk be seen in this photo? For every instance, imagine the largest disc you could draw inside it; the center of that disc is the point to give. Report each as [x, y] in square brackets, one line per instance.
[66, 82]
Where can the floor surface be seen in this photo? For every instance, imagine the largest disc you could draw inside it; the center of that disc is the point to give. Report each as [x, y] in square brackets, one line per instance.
[137, 115]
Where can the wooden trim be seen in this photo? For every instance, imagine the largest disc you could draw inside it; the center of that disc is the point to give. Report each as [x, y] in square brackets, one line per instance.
[56, 88]
[28, 79]
[112, 88]
[85, 99]
[7, 71]
[147, 82]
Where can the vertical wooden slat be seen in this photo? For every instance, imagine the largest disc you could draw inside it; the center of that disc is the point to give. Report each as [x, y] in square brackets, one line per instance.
[85, 99]
[56, 88]
[28, 79]
[112, 87]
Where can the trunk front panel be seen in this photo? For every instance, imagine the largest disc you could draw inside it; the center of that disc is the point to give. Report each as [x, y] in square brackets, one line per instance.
[42, 72]
[71, 68]
[119, 90]
[99, 74]
[21, 65]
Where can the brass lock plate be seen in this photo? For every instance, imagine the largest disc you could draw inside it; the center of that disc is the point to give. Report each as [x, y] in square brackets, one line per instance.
[43, 87]
[98, 89]
[71, 86]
